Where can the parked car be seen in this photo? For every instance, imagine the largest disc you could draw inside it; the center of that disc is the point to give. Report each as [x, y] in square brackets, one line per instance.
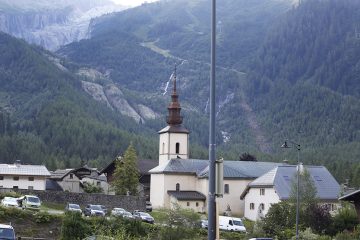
[204, 224]
[127, 215]
[72, 207]
[93, 210]
[231, 224]
[148, 206]
[7, 232]
[104, 209]
[143, 216]
[9, 202]
[117, 211]
[29, 202]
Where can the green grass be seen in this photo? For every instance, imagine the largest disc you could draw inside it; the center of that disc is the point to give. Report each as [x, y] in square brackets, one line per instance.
[54, 206]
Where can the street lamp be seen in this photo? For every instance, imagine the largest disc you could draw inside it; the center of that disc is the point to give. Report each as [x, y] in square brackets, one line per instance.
[286, 145]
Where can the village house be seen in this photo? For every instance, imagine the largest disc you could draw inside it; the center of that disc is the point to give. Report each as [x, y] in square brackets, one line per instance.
[19, 176]
[276, 185]
[73, 180]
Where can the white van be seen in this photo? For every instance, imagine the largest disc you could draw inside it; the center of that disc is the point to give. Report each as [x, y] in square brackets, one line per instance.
[231, 224]
[29, 202]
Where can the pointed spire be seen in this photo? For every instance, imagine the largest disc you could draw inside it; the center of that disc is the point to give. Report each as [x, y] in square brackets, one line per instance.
[174, 87]
[174, 117]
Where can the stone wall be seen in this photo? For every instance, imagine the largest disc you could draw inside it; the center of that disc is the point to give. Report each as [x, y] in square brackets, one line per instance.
[129, 203]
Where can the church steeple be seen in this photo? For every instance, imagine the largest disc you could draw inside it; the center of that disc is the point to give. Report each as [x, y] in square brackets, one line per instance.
[174, 138]
[174, 117]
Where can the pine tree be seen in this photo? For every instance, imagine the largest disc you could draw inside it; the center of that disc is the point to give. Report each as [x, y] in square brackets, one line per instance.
[126, 174]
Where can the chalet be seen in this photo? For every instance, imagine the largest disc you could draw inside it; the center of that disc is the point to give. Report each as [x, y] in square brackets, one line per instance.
[19, 176]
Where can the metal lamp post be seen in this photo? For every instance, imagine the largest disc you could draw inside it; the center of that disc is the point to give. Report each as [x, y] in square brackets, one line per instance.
[211, 198]
[285, 145]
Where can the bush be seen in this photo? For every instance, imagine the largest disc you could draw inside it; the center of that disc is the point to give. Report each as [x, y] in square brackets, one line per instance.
[307, 234]
[74, 227]
[346, 219]
[42, 217]
[347, 235]
[10, 194]
[92, 188]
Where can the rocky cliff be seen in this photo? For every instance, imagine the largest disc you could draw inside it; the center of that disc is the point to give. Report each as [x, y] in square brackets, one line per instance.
[51, 25]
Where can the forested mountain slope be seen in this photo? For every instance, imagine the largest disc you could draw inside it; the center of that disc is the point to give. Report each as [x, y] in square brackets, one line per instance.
[284, 71]
[305, 83]
[138, 48]
[46, 117]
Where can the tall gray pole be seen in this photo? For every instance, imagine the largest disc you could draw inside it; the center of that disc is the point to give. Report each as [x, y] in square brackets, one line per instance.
[297, 192]
[211, 198]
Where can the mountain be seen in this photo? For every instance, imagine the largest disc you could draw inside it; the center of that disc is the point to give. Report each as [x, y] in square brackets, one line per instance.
[51, 23]
[138, 48]
[46, 116]
[304, 83]
[284, 71]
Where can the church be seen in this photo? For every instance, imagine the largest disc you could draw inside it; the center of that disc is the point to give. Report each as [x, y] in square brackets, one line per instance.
[184, 181]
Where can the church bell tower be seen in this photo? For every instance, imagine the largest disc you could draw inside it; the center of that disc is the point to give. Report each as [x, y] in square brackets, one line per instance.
[174, 139]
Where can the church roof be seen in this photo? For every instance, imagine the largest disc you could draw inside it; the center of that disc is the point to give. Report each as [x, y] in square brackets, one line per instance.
[198, 167]
[187, 195]
[281, 178]
[174, 129]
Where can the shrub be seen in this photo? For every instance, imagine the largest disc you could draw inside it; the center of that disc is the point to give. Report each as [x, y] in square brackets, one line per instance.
[92, 188]
[10, 194]
[42, 217]
[346, 219]
[74, 227]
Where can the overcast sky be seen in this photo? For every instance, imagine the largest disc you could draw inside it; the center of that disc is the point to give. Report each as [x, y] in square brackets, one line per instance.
[131, 2]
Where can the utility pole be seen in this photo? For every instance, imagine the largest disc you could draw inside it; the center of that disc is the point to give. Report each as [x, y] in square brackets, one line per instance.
[212, 145]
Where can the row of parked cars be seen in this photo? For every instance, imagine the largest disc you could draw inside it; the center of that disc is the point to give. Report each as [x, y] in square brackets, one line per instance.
[24, 202]
[101, 210]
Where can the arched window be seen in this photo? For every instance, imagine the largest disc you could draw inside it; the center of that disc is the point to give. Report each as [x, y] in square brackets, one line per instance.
[178, 187]
[163, 148]
[252, 206]
[177, 150]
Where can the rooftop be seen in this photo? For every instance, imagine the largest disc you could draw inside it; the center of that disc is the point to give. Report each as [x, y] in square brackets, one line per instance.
[232, 169]
[187, 195]
[282, 178]
[25, 170]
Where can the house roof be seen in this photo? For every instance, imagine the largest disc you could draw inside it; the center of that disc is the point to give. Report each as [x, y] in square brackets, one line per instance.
[200, 168]
[27, 170]
[187, 195]
[281, 178]
[60, 173]
[144, 165]
[351, 196]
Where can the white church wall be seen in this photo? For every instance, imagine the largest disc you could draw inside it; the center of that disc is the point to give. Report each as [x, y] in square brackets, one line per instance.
[236, 187]
[157, 190]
